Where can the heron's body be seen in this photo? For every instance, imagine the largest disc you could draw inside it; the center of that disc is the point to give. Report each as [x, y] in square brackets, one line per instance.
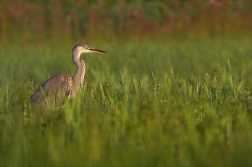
[55, 89]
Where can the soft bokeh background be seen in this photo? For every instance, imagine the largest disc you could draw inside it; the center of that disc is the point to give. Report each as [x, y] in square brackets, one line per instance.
[77, 19]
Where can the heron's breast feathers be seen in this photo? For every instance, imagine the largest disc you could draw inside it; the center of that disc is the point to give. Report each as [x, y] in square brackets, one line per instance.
[82, 72]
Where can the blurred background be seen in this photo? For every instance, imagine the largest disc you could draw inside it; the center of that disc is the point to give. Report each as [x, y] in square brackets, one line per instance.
[109, 19]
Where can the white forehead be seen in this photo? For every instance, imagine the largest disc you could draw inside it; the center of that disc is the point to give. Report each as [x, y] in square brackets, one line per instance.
[82, 49]
[82, 45]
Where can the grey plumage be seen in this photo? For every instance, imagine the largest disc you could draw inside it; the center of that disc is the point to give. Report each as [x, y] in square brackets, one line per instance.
[55, 89]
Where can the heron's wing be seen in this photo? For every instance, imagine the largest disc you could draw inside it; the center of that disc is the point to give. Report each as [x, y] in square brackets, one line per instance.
[65, 88]
[37, 95]
[54, 88]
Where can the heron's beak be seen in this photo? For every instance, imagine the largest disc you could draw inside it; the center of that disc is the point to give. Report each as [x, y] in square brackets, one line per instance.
[97, 50]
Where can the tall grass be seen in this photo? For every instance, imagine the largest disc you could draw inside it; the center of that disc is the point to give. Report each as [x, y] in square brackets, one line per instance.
[151, 103]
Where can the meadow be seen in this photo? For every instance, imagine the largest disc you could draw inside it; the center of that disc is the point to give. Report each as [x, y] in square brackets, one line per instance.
[174, 89]
[145, 103]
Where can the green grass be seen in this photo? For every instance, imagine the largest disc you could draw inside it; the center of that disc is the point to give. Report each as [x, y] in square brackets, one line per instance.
[145, 103]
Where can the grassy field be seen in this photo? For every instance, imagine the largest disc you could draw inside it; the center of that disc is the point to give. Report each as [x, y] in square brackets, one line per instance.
[171, 102]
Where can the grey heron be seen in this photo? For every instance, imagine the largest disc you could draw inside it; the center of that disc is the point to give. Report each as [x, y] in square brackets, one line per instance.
[63, 85]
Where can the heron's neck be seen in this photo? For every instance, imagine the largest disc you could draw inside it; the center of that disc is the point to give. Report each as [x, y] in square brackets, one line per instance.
[80, 71]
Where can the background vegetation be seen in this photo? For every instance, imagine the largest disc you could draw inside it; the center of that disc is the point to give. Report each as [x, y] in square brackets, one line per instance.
[175, 88]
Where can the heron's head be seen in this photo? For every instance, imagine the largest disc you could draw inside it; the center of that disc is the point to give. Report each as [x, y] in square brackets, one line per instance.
[85, 48]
